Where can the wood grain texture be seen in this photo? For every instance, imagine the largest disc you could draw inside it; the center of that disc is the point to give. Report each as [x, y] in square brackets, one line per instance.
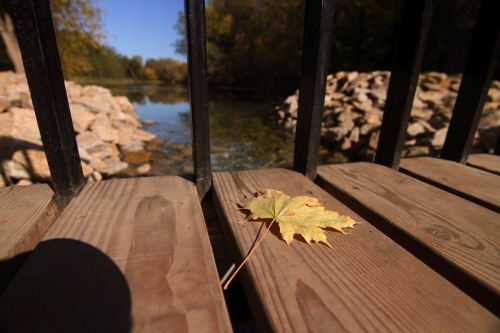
[26, 213]
[490, 163]
[455, 237]
[368, 283]
[125, 255]
[469, 183]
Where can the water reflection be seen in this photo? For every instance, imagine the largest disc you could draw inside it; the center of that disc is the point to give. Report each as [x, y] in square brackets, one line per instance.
[171, 121]
[243, 131]
[245, 135]
[142, 94]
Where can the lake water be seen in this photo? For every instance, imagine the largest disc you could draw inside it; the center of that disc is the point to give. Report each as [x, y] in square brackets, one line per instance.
[244, 133]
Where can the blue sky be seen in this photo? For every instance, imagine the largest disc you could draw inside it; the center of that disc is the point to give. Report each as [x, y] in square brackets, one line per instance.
[142, 27]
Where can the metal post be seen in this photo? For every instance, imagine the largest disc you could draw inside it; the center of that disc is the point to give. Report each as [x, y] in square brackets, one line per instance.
[410, 47]
[197, 62]
[314, 66]
[35, 32]
[476, 81]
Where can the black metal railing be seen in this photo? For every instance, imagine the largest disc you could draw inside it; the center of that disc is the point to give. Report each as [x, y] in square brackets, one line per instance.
[37, 41]
[36, 37]
[476, 80]
[410, 47]
[198, 95]
[313, 71]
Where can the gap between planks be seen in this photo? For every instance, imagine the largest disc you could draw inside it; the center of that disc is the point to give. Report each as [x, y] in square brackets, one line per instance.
[488, 162]
[367, 283]
[455, 237]
[472, 184]
[26, 213]
[130, 254]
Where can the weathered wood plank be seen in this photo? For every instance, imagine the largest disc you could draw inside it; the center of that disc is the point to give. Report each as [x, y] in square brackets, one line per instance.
[455, 237]
[469, 183]
[131, 255]
[490, 163]
[367, 283]
[26, 213]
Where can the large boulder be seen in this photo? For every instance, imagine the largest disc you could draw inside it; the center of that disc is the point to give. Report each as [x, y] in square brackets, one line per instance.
[100, 120]
[143, 135]
[133, 147]
[108, 166]
[16, 170]
[81, 117]
[94, 146]
[124, 104]
[35, 163]
[353, 113]
[24, 126]
[92, 105]
[101, 127]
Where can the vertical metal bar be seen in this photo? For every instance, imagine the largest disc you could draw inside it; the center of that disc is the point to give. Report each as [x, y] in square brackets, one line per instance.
[314, 66]
[410, 47]
[35, 33]
[496, 151]
[476, 81]
[198, 95]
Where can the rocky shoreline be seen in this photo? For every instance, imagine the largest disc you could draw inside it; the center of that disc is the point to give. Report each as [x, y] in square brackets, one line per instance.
[108, 132]
[354, 105]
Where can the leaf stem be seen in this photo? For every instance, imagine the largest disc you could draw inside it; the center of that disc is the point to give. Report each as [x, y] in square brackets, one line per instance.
[229, 271]
[248, 255]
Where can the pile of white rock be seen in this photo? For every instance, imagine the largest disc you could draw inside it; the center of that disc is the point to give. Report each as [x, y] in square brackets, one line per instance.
[107, 130]
[354, 105]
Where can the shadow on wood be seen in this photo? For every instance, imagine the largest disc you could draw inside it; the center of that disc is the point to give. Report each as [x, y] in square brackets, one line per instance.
[9, 268]
[26, 213]
[77, 289]
[367, 283]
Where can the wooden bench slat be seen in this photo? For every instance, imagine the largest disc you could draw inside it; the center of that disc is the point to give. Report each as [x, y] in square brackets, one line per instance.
[26, 213]
[366, 283]
[472, 184]
[490, 163]
[129, 254]
[458, 238]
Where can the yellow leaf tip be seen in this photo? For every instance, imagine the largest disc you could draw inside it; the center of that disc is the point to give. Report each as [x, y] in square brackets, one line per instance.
[327, 244]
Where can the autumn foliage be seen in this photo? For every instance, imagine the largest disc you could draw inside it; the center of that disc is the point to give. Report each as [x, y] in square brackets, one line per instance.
[302, 215]
[81, 38]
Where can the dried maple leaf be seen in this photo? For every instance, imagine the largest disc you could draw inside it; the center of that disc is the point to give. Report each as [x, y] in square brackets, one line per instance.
[301, 215]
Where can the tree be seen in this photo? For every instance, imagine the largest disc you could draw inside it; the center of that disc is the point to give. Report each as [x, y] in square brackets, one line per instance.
[133, 67]
[9, 39]
[77, 25]
[105, 62]
[257, 44]
[247, 42]
[170, 71]
[180, 26]
[364, 34]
